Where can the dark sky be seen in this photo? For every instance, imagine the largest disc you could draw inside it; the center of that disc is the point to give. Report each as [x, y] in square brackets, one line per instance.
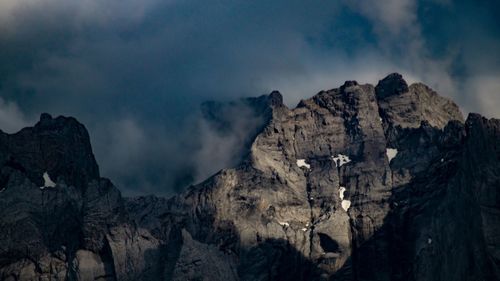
[134, 72]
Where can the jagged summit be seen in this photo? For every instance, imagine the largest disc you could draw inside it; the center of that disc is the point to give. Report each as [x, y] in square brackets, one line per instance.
[360, 182]
[46, 120]
[45, 117]
[275, 98]
[405, 106]
[392, 84]
[59, 146]
[349, 83]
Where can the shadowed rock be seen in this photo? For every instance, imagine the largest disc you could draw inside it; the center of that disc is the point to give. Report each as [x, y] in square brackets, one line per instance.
[392, 85]
[429, 213]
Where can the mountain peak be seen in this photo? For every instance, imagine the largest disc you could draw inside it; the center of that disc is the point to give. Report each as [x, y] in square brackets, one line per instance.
[406, 106]
[57, 146]
[45, 116]
[314, 192]
[392, 84]
[275, 98]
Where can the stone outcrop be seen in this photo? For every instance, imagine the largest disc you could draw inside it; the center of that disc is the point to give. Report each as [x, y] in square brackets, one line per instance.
[76, 228]
[407, 106]
[362, 182]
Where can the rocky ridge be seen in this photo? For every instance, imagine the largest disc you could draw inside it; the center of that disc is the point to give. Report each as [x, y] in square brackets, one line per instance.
[74, 228]
[361, 182]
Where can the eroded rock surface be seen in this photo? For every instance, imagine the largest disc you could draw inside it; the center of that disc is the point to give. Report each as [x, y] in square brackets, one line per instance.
[77, 229]
[315, 197]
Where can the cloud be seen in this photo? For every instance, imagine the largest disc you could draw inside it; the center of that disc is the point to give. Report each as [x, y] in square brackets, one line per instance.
[225, 132]
[148, 158]
[144, 158]
[393, 16]
[135, 72]
[106, 13]
[12, 119]
[486, 89]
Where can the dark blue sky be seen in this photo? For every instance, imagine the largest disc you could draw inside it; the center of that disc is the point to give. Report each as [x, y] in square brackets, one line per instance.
[135, 71]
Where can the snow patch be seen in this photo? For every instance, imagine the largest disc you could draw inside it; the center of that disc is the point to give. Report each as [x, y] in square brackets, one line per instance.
[302, 163]
[341, 159]
[304, 229]
[380, 119]
[2, 190]
[284, 224]
[47, 181]
[341, 192]
[391, 153]
[429, 241]
[442, 160]
[346, 204]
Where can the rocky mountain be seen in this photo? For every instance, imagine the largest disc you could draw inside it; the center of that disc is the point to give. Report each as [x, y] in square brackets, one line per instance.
[356, 183]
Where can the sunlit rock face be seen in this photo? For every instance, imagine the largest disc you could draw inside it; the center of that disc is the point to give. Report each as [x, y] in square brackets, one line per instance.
[361, 182]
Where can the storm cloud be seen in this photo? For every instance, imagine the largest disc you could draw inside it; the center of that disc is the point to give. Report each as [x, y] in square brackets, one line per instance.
[135, 72]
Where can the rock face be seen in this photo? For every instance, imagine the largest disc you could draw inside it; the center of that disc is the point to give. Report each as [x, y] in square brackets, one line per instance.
[60, 147]
[355, 183]
[77, 229]
[409, 106]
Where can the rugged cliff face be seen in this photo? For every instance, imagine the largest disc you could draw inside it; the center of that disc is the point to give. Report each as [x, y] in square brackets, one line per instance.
[355, 183]
[58, 219]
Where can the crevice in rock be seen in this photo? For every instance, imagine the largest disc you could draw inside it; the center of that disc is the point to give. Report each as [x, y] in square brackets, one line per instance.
[328, 244]
[170, 254]
[310, 201]
[108, 259]
[71, 272]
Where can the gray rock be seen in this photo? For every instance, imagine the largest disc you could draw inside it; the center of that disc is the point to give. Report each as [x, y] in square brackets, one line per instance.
[198, 261]
[77, 229]
[59, 146]
[407, 107]
[355, 183]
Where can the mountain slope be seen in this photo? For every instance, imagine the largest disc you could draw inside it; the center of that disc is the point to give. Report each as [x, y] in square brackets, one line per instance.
[59, 219]
[361, 182]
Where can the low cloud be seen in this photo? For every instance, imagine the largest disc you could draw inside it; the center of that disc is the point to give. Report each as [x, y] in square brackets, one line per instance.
[225, 133]
[486, 91]
[392, 16]
[12, 119]
[144, 158]
[135, 72]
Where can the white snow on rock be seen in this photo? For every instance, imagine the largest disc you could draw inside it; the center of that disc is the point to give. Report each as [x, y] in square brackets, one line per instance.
[302, 163]
[304, 229]
[429, 241]
[346, 204]
[48, 181]
[284, 224]
[341, 192]
[340, 160]
[391, 153]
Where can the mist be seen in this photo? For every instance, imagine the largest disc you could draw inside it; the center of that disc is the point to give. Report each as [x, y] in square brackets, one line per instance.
[136, 73]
